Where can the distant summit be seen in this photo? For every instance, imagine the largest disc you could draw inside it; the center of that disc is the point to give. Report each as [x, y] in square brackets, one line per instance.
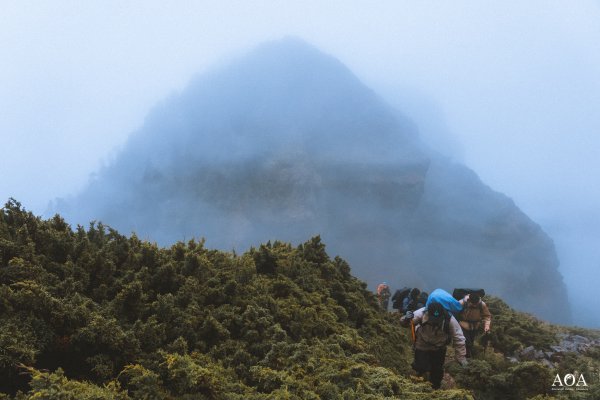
[287, 143]
[284, 96]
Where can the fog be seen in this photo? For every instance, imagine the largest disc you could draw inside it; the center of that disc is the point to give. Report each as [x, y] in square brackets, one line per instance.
[509, 89]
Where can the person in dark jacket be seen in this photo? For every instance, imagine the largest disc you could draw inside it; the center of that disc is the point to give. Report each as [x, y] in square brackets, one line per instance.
[411, 302]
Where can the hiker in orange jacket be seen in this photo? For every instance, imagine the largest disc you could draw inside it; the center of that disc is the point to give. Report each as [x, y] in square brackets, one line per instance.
[383, 295]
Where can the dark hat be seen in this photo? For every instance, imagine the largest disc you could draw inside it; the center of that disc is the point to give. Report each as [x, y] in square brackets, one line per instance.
[436, 312]
[474, 298]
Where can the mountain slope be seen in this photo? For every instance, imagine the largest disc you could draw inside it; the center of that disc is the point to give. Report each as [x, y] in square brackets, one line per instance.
[91, 314]
[287, 143]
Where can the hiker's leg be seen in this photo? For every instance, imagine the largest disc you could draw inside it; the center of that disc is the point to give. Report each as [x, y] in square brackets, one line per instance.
[421, 364]
[473, 350]
[469, 340]
[437, 367]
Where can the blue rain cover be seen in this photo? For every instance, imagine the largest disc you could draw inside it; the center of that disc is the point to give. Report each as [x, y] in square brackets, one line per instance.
[445, 299]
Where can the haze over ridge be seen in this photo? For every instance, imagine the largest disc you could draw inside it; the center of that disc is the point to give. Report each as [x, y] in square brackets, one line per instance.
[285, 143]
[508, 88]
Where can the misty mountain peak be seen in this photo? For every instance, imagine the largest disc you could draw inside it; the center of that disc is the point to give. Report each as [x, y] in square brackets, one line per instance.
[285, 142]
[283, 94]
[297, 59]
[290, 65]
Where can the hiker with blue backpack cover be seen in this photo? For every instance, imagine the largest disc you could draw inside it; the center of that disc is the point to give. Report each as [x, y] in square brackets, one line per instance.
[451, 304]
[434, 327]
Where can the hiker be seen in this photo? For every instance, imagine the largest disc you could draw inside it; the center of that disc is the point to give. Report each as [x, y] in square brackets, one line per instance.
[383, 295]
[474, 312]
[422, 299]
[398, 298]
[433, 328]
[411, 302]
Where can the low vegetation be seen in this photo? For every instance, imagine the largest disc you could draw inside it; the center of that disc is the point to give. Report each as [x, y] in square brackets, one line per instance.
[92, 314]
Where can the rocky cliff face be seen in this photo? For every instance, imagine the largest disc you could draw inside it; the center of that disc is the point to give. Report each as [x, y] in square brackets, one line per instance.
[286, 143]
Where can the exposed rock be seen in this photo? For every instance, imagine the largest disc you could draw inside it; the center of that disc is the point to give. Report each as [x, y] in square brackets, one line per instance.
[528, 353]
[538, 355]
[580, 339]
[568, 344]
[548, 364]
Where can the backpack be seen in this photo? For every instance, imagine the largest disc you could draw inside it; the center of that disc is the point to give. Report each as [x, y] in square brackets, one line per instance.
[414, 305]
[412, 302]
[451, 305]
[429, 331]
[399, 296]
[460, 294]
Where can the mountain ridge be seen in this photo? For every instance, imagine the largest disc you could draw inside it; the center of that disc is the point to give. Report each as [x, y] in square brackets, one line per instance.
[90, 313]
[287, 143]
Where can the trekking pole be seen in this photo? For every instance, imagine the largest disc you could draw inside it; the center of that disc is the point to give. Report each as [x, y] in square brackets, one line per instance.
[412, 330]
[486, 341]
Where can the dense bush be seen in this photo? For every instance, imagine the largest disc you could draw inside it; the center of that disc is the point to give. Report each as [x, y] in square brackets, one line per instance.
[92, 314]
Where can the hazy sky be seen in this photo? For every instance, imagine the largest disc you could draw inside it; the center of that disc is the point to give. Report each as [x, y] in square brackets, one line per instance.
[510, 88]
